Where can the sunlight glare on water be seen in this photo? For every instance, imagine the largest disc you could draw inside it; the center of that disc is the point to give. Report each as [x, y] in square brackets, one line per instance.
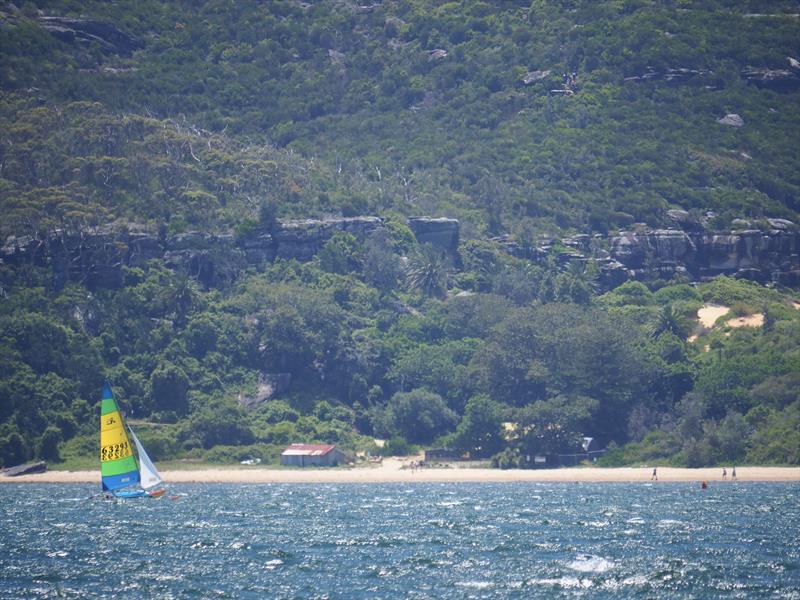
[400, 541]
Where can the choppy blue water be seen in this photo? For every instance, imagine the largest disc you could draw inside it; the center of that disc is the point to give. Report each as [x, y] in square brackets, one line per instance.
[404, 541]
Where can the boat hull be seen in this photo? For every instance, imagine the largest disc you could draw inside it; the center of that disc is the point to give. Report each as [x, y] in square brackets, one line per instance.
[139, 493]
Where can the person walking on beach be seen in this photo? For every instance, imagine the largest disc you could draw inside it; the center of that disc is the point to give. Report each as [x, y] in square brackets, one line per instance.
[654, 477]
[733, 474]
[724, 473]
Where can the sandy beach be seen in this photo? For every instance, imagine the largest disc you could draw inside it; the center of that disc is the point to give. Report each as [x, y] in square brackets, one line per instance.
[394, 470]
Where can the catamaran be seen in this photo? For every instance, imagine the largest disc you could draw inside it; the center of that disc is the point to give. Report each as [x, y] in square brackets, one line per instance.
[122, 475]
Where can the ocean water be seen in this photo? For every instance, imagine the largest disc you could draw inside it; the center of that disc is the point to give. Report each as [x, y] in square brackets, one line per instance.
[526, 540]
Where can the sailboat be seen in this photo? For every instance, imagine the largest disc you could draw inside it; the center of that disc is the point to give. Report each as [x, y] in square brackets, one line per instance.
[122, 475]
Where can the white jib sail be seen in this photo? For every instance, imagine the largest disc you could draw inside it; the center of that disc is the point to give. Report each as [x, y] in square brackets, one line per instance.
[147, 470]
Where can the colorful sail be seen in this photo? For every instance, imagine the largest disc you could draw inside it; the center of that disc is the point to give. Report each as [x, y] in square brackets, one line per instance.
[118, 467]
[147, 470]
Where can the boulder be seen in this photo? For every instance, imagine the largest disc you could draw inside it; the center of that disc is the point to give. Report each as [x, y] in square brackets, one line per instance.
[731, 119]
[269, 385]
[781, 224]
[533, 76]
[440, 232]
[685, 220]
[27, 469]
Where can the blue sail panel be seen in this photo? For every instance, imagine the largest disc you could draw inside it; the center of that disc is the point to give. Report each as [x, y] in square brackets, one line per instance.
[116, 482]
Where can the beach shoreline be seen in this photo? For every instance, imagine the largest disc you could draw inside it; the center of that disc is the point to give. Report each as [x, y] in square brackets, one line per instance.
[399, 471]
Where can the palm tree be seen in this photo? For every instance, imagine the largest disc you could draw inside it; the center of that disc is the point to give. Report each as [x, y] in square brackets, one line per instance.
[667, 322]
[428, 271]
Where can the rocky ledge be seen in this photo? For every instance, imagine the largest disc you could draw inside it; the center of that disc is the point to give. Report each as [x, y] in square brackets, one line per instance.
[770, 253]
[767, 255]
[96, 258]
[88, 31]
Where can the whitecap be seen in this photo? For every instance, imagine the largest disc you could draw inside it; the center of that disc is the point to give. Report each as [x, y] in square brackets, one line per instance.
[590, 564]
[598, 524]
[478, 585]
[669, 523]
[449, 503]
[635, 580]
[565, 582]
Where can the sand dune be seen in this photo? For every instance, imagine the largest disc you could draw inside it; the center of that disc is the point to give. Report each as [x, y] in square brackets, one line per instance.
[709, 314]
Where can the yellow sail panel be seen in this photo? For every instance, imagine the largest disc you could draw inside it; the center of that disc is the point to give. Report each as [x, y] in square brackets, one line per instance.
[114, 442]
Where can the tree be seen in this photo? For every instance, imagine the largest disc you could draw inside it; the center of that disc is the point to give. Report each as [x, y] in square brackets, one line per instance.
[419, 416]
[13, 449]
[480, 431]
[554, 425]
[218, 422]
[169, 385]
[49, 442]
[268, 215]
[201, 335]
[382, 268]
[438, 368]
[667, 322]
[341, 254]
[427, 271]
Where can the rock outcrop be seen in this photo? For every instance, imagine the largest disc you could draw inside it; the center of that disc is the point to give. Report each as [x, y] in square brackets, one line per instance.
[440, 232]
[88, 31]
[677, 75]
[779, 80]
[776, 79]
[770, 253]
[96, 258]
[731, 119]
[301, 240]
[763, 256]
[269, 384]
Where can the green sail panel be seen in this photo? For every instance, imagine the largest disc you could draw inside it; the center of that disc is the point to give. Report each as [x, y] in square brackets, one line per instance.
[118, 467]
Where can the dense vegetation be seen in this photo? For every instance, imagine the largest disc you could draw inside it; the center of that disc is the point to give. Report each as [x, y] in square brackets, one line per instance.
[232, 113]
[413, 106]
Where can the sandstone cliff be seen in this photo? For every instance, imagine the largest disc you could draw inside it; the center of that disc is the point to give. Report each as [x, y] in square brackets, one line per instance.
[769, 254]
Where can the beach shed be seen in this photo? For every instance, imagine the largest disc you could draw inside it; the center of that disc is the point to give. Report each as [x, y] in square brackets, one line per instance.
[443, 454]
[318, 455]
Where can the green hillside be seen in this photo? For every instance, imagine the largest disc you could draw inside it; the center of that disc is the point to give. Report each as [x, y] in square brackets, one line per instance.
[524, 119]
[421, 107]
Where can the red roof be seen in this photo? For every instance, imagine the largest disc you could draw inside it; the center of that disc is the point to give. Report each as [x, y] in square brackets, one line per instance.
[308, 450]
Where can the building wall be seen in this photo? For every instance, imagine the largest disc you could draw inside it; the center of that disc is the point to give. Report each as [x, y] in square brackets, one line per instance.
[330, 459]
